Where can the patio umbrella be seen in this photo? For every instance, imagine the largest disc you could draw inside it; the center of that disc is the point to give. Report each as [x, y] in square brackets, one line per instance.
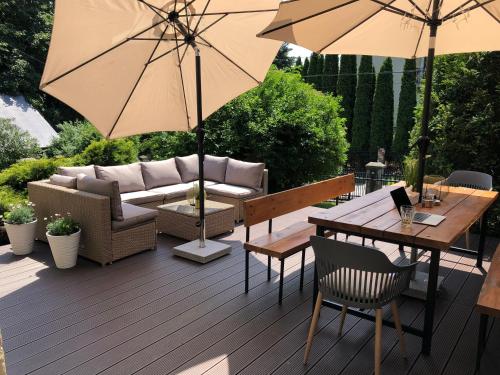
[398, 28]
[134, 66]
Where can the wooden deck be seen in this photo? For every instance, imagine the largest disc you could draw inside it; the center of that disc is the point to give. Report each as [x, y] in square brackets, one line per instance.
[156, 314]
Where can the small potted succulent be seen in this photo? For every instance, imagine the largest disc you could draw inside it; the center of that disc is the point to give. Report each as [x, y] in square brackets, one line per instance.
[63, 234]
[20, 224]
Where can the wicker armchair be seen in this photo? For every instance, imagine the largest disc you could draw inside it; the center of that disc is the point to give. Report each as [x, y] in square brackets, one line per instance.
[361, 277]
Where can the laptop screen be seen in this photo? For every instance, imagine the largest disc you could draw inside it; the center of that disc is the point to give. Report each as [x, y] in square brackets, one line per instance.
[400, 198]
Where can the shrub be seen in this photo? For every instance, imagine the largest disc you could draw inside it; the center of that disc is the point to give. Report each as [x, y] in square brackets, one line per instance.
[8, 198]
[74, 137]
[21, 213]
[15, 144]
[109, 152]
[285, 123]
[19, 174]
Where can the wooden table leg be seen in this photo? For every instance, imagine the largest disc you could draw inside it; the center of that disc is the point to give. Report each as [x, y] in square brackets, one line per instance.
[483, 324]
[430, 302]
[482, 240]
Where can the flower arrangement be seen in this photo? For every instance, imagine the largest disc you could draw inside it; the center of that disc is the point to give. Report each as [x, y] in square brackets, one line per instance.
[22, 213]
[59, 225]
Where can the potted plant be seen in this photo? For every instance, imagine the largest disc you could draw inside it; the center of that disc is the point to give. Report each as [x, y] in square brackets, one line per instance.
[63, 234]
[20, 224]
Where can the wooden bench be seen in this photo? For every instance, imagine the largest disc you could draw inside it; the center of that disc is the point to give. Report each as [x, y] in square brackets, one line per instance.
[488, 302]
[296, 237]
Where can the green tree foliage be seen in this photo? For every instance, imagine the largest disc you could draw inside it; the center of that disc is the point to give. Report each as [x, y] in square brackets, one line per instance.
[15, 144]
[383, 111]
[74, 137]
[25, 27]
[305, 69]
[313, 68]
[109, 152]
[363, 107]
[318, 79]
[346, 88]
[406, 117]
[9, 197]
[330, 71]
[465, 122]
[283, 59]
[298, 61]
[296, 130]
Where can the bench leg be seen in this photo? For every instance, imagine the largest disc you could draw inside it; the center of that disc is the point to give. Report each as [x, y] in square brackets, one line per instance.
[247, 255]
[268, 268]
[482, 239]
[302, 269]
[483, 324]
[282, 271]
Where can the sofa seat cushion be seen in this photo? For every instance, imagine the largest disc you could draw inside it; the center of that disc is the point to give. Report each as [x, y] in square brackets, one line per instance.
[177, 191]
[160, 173]
[232, 191]
[142, 197]
[87, 170]
[129, 176]
[242, 173]
[132, 216]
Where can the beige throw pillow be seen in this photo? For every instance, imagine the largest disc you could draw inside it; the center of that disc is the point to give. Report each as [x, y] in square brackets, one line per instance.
[188, 167]
[65, 181]
[242, 173]
[129, 176]
[160, 173]
[87, 170]
[215, 168]
[107, 188]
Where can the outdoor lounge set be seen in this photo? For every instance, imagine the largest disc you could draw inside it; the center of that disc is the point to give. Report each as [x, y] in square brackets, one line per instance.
[117, 206]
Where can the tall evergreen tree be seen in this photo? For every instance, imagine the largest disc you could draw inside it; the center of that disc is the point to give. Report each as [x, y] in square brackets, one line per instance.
[383, 111]
[305, 69]
[407, 102]
[298, 61]
[346, 87]
[330, 74]
[283, 59]
[363, 106]
[313, 68]
[318, 79]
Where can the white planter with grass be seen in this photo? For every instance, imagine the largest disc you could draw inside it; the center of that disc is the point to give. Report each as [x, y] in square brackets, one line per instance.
[65, 249]
[21, 237]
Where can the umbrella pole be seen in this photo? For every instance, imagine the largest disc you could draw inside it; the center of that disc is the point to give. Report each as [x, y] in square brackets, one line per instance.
[423, 141]
[200, 131]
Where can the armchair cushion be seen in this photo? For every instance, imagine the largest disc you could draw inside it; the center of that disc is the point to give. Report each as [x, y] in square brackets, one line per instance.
[246, 174]
[65, 181]
[106, 188]
[160, 173]
[188, 167]
[231, 191]
[87, 170]
[129, 176]
[133, 215]
[215, 168]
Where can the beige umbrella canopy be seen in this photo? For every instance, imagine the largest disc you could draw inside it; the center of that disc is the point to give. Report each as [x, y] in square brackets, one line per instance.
[399, 28]
[129, 68]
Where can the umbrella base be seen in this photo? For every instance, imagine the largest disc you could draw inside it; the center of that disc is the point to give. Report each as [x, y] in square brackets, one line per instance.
[212, 250]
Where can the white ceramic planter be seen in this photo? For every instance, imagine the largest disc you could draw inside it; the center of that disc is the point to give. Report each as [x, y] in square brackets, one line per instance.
[21, 237]
[64, 249]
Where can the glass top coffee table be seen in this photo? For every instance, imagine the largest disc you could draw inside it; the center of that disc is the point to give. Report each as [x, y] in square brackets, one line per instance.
[179, 219]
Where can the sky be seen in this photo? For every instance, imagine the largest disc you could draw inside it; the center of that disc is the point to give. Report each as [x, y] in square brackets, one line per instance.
[299, 51]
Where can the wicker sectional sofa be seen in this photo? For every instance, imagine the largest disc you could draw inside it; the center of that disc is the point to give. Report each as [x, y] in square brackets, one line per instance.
[142, 188]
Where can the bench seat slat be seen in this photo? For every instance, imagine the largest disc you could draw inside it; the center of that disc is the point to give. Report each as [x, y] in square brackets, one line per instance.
[489, 299]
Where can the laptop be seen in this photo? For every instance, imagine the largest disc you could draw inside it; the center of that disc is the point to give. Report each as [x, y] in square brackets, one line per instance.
[400, 198]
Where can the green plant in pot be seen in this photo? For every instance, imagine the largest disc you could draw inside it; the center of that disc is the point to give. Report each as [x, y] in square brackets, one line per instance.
[410, 172]
[63, 234]
[20, 224]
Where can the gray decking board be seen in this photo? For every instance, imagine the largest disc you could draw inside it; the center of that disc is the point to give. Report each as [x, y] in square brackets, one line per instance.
[159, 314]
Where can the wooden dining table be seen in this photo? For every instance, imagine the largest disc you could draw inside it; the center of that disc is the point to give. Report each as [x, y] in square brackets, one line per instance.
[374, 216]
